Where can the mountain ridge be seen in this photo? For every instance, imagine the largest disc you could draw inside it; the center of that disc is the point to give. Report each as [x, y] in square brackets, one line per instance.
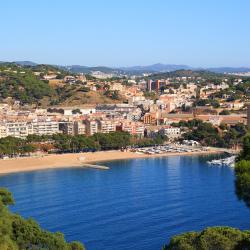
[139, 69]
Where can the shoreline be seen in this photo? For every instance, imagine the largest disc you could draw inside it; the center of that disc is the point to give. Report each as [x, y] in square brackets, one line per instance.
[56, 161]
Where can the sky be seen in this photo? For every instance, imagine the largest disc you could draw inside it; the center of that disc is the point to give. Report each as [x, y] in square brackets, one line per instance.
[199, 33]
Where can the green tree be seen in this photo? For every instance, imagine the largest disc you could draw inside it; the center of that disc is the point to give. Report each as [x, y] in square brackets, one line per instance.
[17, 233]
[214, 238]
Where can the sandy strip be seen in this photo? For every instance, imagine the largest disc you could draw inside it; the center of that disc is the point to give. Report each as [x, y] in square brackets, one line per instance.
[76, 160]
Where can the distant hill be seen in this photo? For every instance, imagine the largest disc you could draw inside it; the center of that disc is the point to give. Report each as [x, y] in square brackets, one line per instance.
[128, 70]
[173, 67]
[21, 63]
[138, 70]
[187, 73]
[25, 63]
[157, 68]
[151, 69]
[229, 70]
[88, 70]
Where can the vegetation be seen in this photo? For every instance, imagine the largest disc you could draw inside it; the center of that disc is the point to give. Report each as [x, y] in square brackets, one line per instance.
[239, 91]
[206, 134]
[22, 85]
[216, 77]
[112, 94]
[203, 102]
[150, 95]
[209, 135]
[15, 146]
[76, 111]
[17, 233]
[242, 172]
[61, 143]
[25, 83]
[224, 112]
[219, 238]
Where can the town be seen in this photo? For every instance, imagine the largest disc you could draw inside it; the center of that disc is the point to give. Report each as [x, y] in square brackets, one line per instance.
[168, 105]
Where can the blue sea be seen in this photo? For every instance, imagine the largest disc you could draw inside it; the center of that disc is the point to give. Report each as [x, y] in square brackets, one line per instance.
[138, 204]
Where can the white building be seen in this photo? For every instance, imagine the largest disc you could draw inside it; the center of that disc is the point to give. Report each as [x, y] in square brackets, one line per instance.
[171, 132]
[15, 129]
[107, 126]
[134, 115]
[47, 127]
[23, 129]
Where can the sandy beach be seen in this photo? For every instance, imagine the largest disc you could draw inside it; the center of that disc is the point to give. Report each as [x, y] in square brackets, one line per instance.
[75, 160]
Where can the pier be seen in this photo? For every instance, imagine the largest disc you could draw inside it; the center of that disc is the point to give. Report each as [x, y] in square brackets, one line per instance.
[95, 166]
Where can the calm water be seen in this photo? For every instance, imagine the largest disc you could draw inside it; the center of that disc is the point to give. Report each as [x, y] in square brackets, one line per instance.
[137, 205]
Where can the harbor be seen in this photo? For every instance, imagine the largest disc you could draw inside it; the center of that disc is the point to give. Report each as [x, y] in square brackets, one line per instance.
[225, 162]
[170, 148]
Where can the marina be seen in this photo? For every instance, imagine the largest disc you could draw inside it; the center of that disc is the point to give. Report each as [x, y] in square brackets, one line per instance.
[229, 162]
[171, 148]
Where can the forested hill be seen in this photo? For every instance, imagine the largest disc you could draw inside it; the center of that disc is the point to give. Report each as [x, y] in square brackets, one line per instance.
[21, 84]
[189, 73]
[27, 84]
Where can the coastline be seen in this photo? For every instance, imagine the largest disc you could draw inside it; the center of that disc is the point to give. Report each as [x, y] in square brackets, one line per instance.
[54, 161]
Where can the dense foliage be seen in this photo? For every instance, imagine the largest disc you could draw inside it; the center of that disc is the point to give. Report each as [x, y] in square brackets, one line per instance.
[100, 141]
[214, 238]
[17, 233]
[242, 172]
[209, 135]
[203, 102]
[21, 84]
[240, 91]
[12, 146]
[62, 143]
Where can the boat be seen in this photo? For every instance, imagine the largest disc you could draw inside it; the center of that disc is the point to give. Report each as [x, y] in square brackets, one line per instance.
[229, 161]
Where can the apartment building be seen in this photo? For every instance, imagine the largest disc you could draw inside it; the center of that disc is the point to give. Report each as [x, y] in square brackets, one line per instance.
[91, 126]
[15, 129]
[43, 127]
[134, 128]
[23, 129]
[150, 118]
[155, 85]
[3, 131]
[79, 128]
[106, 126]
[66, 127]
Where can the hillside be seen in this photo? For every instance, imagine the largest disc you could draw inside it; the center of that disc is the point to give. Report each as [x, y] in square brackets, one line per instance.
[77, 96]
[29, 85]
[188, 73]
[21, 84]
[139, 70]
